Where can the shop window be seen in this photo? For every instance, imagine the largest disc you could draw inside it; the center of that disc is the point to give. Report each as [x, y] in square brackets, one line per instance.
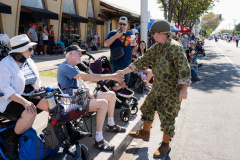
[90, 9]
[33, 3]
[69, 31]
[69, 7]
[26, 19]
[90, 31]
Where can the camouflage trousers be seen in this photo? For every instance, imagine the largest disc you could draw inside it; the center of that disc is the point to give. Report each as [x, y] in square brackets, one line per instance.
[167, 107]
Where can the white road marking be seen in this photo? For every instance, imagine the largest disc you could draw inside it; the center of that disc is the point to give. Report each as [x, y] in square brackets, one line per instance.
[234, 65]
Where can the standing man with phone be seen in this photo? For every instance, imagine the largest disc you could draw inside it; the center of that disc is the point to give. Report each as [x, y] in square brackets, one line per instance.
[121, 38]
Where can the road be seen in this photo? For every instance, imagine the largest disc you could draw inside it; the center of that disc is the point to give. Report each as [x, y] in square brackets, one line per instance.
[207, 127]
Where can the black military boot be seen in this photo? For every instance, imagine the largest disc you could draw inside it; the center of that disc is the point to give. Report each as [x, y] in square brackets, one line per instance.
[74, 134]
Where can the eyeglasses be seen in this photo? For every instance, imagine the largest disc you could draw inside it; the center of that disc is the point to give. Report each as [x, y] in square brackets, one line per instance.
[30, 49]
[122, 24]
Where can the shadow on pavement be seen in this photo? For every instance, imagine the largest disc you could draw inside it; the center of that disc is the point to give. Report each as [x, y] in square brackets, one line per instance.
[216, 76]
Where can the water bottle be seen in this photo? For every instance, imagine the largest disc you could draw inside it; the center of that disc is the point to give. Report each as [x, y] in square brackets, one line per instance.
[50, 100]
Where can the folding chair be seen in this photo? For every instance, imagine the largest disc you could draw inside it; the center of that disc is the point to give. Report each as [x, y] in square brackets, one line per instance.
[79, 121]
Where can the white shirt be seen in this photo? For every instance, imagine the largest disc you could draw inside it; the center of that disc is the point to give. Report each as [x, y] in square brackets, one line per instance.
[44, 36]
[12, 79]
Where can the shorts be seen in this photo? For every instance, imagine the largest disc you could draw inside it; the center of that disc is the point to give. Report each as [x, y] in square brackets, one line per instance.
[45, 42]
[88, 102]
[16, 109]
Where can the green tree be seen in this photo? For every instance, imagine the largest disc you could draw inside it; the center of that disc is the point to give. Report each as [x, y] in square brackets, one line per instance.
[237, 27]
[212, 21]
[187, 11]
[183, 12]
[209, 31]
[168, 6]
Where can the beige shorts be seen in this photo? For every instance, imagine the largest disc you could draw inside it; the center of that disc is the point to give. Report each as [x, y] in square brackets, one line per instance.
[88, 102]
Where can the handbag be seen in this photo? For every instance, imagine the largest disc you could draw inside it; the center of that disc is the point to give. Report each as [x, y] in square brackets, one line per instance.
[53, 134]
[118, 52]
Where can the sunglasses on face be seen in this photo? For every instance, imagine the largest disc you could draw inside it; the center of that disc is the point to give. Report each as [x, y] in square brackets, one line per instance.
[30, 49]
[122, 24]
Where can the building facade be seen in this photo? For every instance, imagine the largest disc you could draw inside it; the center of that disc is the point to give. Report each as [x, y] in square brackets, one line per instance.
[71, 18]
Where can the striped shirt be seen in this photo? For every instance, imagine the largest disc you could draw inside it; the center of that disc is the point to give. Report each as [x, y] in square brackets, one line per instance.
[30, 77]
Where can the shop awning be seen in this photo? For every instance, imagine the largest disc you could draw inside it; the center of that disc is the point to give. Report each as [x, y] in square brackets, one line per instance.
[183, 29]
[98, 22]
[5, 8]
[40, 13]
[76, 18]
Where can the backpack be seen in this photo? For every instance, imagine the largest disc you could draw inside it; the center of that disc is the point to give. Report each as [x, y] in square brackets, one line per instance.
[32, 146]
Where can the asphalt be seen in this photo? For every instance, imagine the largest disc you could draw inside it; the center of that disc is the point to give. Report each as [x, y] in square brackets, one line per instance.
[120, 140]
[207, 127]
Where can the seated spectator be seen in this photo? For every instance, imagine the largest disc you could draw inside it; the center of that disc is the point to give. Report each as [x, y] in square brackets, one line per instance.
[68, 75]
[85, 45]
[193, 70]
[93, 45]
[60, 49]
[145, 71]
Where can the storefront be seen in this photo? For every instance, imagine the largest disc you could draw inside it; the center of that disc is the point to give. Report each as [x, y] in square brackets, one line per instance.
[4, 9]
[34, 12]
[92, 22]
[70, 19]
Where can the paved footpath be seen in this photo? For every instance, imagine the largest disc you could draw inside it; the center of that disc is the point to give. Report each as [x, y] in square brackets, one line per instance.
[120, 140]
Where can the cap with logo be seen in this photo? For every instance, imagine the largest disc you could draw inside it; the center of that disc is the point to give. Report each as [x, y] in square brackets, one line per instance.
[75, 48]
[123, 19]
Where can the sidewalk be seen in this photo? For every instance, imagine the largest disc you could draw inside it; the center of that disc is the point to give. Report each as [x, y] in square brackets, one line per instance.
[120, 140]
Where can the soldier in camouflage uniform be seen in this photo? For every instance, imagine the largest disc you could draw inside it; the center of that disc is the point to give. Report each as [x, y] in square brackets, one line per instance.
[171, 78]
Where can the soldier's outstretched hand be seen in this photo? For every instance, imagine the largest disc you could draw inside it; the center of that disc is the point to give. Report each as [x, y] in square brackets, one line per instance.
[120, 72]
[117, 77]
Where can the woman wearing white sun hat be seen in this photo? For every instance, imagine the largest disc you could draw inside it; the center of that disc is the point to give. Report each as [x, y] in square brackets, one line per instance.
[19, 79]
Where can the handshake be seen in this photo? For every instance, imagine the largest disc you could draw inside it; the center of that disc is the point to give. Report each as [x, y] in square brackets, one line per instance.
[116, 77]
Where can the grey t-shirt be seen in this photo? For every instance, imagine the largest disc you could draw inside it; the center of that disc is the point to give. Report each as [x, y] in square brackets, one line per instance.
[184, 42]
[65, 75]
[237, 37]
[33, 34]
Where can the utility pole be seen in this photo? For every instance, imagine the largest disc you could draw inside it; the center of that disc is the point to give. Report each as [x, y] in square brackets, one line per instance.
[234, 21]
[144, 20]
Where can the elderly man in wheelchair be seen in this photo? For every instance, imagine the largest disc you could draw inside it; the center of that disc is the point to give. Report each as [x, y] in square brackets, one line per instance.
[19, 79]
[68, 76]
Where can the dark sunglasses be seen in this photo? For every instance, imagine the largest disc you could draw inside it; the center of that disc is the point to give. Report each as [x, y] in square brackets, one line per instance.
[122, 24]
[30, 49]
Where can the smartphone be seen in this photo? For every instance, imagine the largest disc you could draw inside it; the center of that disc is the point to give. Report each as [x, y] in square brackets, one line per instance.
[120, 29]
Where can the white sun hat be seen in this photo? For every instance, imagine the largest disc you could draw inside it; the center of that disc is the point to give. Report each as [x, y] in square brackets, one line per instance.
[20, 43]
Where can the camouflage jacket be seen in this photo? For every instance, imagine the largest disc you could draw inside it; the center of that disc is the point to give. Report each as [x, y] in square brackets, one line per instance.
[169, 66]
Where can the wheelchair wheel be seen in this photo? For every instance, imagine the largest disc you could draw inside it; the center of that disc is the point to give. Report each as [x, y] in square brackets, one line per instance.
[134, 109]
[125, 115]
